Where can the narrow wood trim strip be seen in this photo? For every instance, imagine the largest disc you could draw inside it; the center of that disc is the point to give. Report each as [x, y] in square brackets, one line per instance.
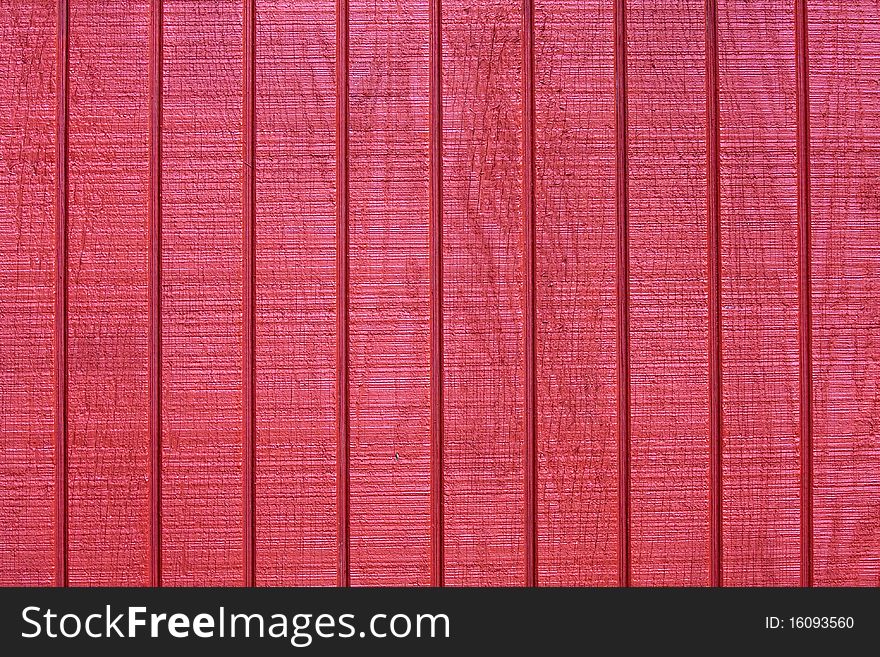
[530, 301]
[436, 248]
[805, 306]
[249, 295]
[623, 351]
[713, 212]
[61, 325]
[342, 276]
[155, 292]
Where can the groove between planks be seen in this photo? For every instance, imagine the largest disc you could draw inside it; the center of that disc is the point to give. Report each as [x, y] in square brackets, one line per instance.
[713, 214]
[342, 279]
[623, 355]
[155, 292]
[436, 248]
[249, 374]
[528, 191]
[805, 355]
[61, 212]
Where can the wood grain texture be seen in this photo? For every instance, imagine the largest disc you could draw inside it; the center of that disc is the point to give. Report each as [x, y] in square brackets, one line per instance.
[296, 345]
[669, 312]
[844, 46]
[108, 413]
[483, 293]
[202, 514]
[760, 293]
[525, 192]
[576, 290]
[435, 170]
[389, 294]
[27, 293]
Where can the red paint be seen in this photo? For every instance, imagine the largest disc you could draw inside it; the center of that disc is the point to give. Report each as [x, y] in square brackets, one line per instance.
[249, 292]
[389, 294]
[713, 221]
[202, 295]
[343, 392]
[844, 44]
[759, 288]
[296, 507]
[483, 292]
[621, 209]
[508, 293]
[576, 204]
[670, 538]
[108, 304]
[805, 292]
[62, 92]
[435, 90]
[28, 183]
[529, 312]
[155, 291]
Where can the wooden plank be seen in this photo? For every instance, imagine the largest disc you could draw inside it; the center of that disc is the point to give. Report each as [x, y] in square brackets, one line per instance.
[670, 505]
[576, 290]
[844, 46]
[389, 294]
[440, 357]
[27, 294]
[296, 314]
[760, 288]
[202, 513]
[108, 413]
[484, 517]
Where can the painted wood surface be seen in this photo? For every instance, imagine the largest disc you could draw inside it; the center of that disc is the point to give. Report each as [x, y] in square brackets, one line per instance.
[296, 293]
[506, 292]
[759, 261]
[845, 255]
[669, 310]
[108, 306]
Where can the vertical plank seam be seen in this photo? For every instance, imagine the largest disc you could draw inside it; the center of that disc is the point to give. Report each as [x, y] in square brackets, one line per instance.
[623, 352]
[342, 275]
[713, 212]
[805, 318]
[436, 247]
[61, 321]
[155, 292]
[528, 192]
[249, 288]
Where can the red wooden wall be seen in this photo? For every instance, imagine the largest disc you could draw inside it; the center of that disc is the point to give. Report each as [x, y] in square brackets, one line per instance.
[471, 292]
